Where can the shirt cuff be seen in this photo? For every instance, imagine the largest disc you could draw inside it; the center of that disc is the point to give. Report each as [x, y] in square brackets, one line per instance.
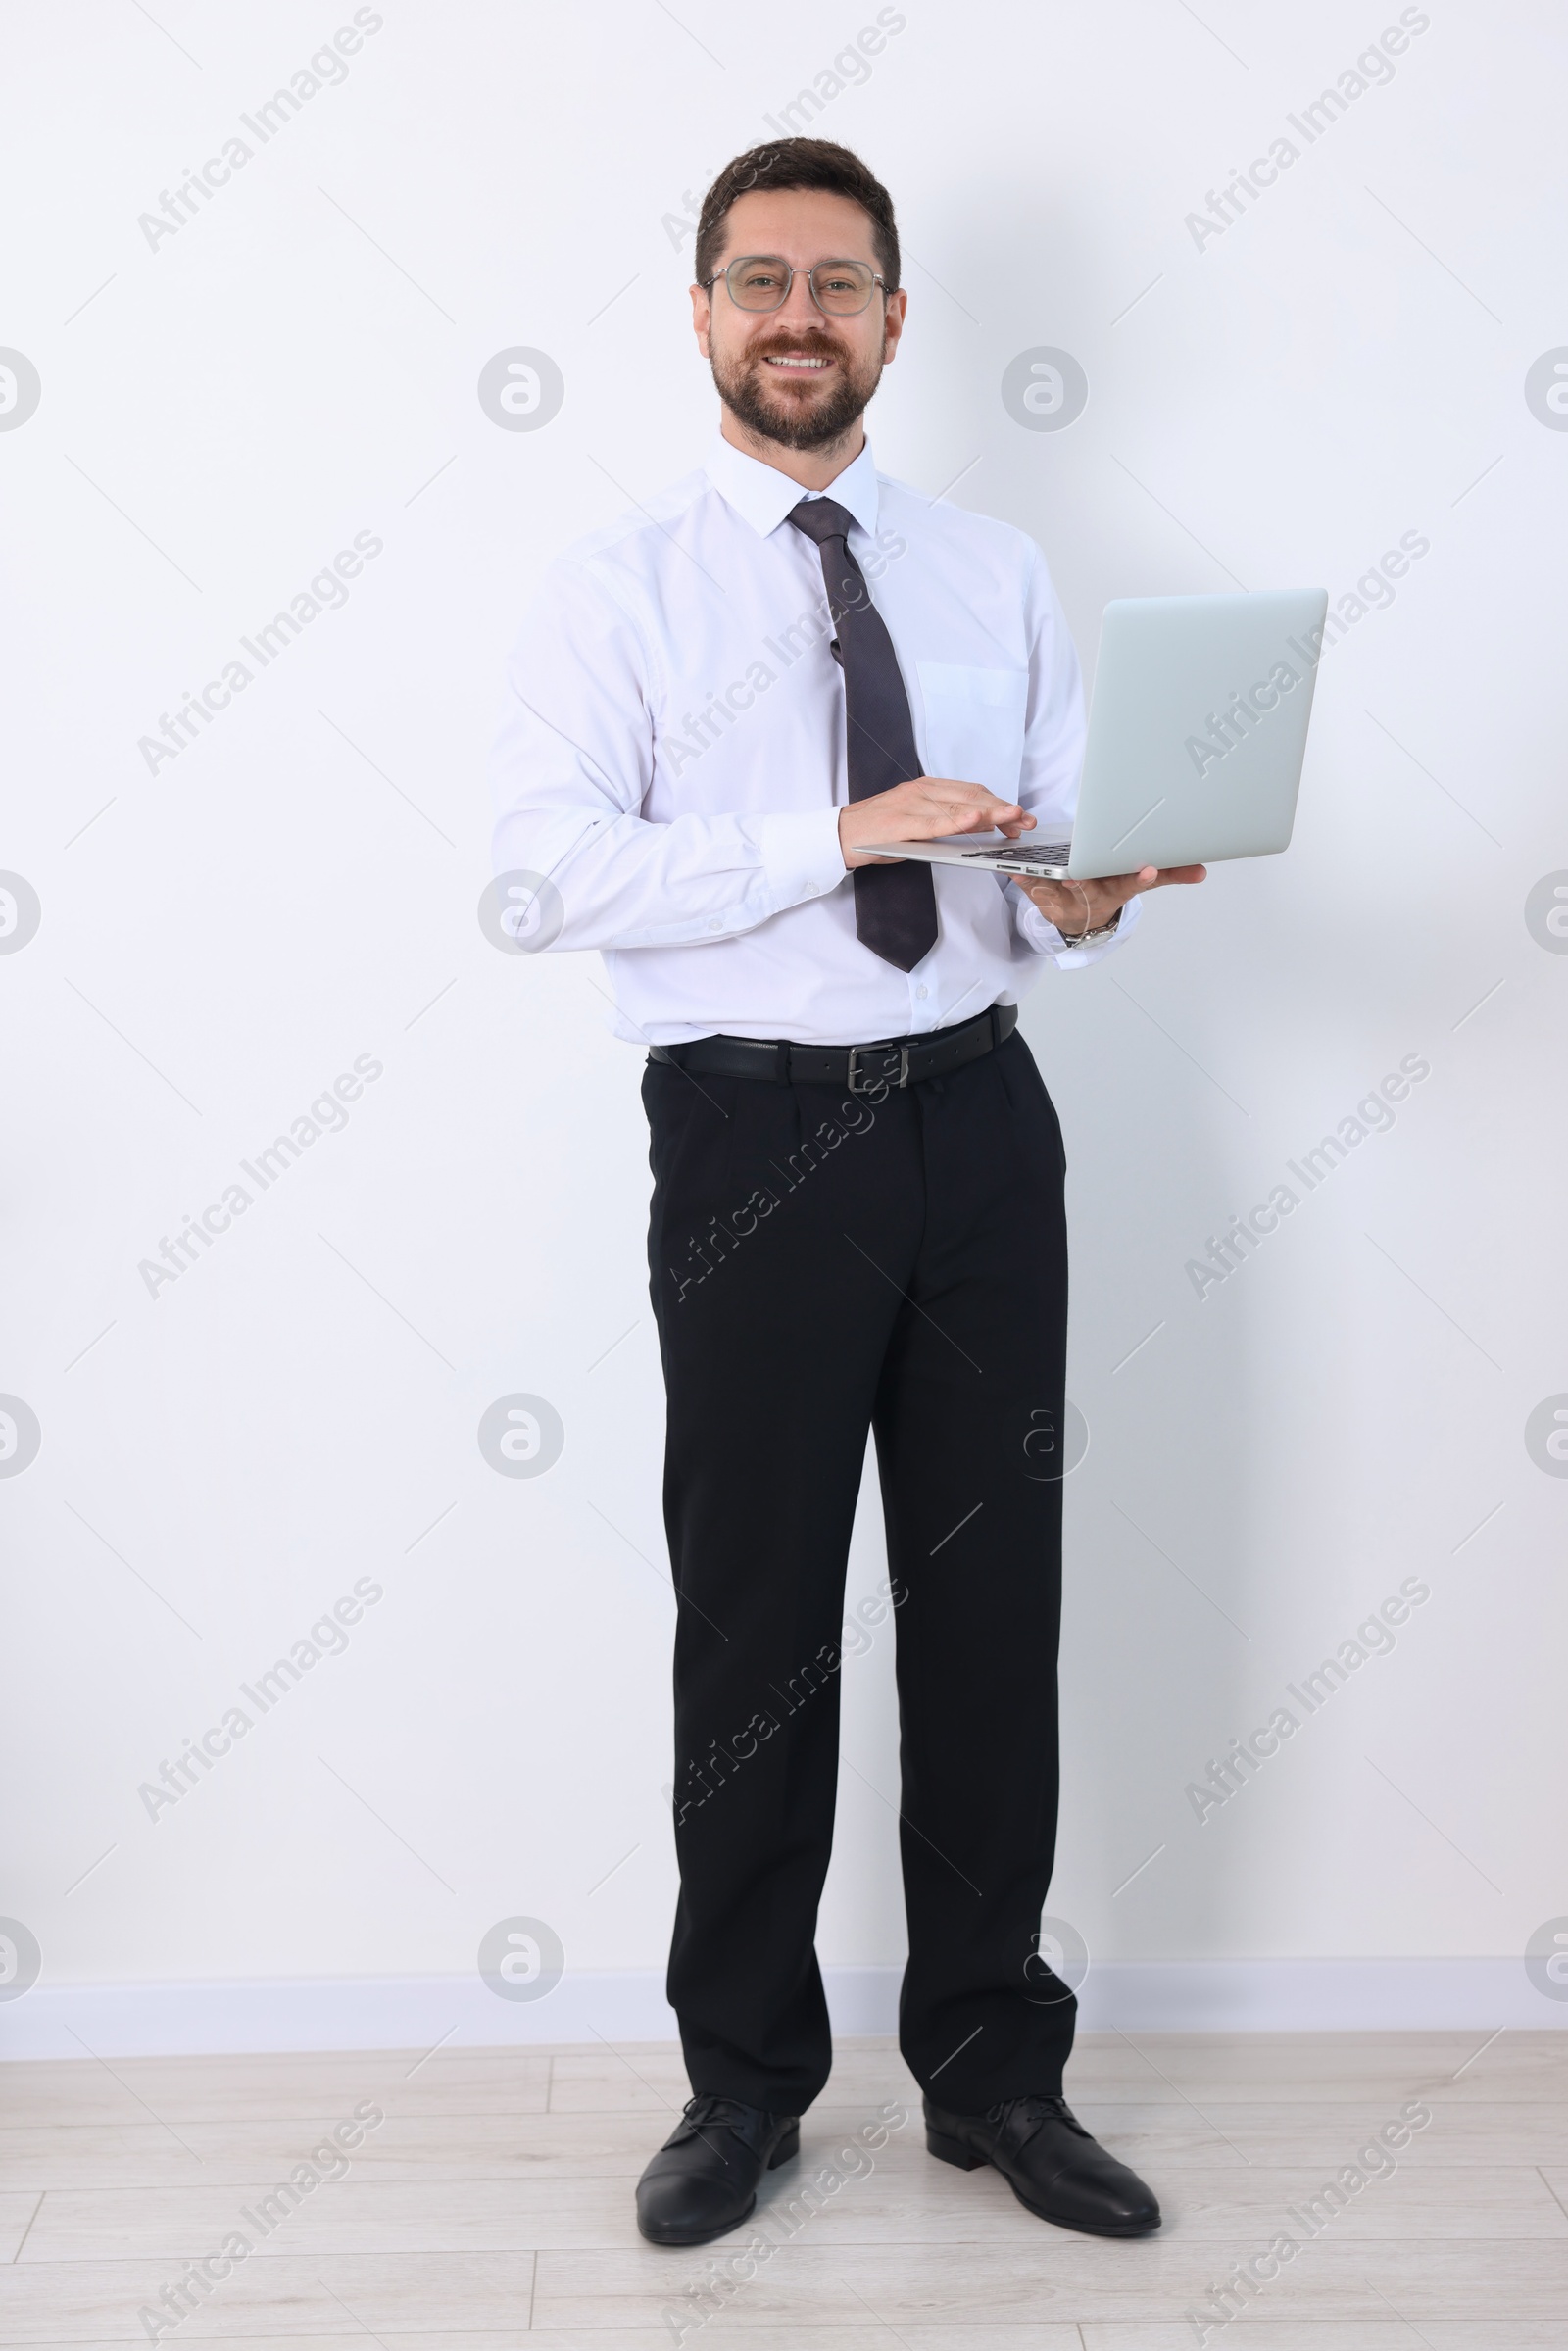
[1043, 936]
[801, 855]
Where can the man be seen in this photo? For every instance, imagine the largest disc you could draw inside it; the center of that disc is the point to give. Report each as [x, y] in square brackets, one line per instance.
[857, 1176]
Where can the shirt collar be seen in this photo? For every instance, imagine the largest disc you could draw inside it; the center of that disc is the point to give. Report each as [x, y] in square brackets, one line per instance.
[763, 496]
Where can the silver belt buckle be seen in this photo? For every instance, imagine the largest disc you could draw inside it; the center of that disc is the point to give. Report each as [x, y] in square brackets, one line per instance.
[903, 1079]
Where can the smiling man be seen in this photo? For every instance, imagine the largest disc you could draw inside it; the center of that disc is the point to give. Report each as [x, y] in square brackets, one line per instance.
[856, 1221]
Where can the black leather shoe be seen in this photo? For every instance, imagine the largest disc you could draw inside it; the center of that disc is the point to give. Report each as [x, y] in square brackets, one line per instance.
[703, 2181]
[1049, 2162]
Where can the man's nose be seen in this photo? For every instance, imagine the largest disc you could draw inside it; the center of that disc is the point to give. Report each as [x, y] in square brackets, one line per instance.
[800, 309]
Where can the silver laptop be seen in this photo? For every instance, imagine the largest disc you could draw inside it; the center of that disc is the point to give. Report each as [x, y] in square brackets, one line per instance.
[1195, 739]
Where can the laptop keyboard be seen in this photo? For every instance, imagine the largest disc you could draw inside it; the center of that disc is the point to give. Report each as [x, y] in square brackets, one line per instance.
[1028, 853]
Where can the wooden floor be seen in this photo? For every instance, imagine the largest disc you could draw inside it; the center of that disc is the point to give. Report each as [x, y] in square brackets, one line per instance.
[493, 2205]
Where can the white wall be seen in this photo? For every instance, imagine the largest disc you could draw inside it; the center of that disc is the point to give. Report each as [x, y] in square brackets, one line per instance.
[224, 409]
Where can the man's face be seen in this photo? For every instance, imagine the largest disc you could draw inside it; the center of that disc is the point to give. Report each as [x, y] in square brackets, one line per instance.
[795, 374]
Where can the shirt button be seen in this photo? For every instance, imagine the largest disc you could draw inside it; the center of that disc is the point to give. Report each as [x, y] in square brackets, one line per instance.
[920, 992]
[717, 923]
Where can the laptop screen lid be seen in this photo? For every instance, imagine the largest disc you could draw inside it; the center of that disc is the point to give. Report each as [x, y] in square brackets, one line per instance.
[1198, 729]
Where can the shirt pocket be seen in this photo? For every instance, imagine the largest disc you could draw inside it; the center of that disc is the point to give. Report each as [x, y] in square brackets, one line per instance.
[972, 723]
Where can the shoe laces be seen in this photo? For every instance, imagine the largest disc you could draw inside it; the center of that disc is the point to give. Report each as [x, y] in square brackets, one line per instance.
[712, 2106]
[1035, 2108]
[712, 2111]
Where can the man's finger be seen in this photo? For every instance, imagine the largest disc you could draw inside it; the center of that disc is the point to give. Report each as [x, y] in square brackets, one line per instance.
[963, 816]
[1154, 877]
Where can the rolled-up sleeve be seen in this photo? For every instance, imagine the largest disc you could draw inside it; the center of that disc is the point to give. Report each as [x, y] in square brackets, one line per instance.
[1052, 762]
[571, 766]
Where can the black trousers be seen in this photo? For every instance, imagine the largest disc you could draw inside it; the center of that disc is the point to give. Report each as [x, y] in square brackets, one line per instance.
[823, 1266]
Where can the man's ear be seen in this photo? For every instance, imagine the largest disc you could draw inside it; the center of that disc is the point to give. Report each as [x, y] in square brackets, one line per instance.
[701, 317]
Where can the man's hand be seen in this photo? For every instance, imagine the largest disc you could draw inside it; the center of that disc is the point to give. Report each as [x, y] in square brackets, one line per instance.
[933, 807]
[927, 809]
[1078, 907]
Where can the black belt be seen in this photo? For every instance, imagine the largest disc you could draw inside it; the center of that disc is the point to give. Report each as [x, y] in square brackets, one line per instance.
[859, 1069]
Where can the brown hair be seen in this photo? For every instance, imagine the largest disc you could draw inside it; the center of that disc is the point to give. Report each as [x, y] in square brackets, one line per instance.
[799, 164]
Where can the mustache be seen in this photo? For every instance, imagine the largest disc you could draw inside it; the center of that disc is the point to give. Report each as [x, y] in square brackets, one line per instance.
[811, 346]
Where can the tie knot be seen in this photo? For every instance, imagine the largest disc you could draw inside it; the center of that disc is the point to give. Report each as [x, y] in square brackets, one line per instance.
[821, 518]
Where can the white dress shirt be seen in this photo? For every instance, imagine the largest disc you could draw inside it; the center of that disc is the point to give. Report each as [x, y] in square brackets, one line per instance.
[673, 755]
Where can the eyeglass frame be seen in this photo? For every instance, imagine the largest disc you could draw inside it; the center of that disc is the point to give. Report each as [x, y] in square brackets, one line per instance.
[791, 274]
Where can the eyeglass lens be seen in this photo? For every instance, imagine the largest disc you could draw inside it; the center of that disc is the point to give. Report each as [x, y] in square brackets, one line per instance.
[761, 282]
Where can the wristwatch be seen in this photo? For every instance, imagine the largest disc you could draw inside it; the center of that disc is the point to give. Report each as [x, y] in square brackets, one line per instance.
[1102, 930]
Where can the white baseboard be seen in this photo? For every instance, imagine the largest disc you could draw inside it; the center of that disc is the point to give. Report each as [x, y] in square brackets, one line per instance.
[416, 2012]
[1315, 1996]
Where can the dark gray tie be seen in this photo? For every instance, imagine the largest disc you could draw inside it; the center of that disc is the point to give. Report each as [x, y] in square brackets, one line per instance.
[894, 905]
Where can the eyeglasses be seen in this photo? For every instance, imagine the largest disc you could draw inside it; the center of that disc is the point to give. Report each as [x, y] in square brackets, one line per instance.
[761, 281]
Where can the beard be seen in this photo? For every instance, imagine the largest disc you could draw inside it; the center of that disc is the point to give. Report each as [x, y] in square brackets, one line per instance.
[745, 387]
